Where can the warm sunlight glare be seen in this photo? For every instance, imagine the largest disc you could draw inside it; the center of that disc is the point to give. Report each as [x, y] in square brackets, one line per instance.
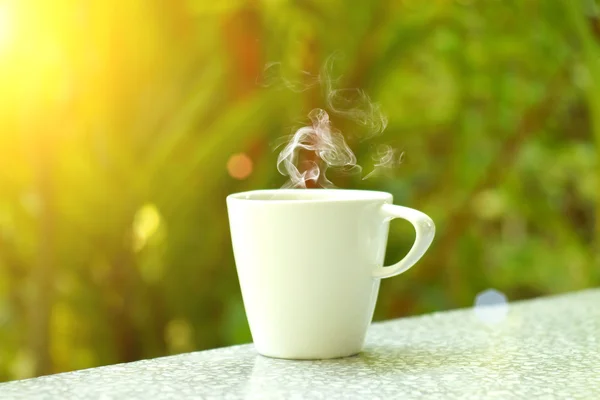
[6, 27]
[36, 51]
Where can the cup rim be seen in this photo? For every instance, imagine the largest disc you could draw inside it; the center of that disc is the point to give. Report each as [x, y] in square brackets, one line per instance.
[311, 196]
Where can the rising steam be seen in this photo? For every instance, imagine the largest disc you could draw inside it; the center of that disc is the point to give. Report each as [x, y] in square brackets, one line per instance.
[321, 139]
[386, 158]
[352, 103]
[328, 145]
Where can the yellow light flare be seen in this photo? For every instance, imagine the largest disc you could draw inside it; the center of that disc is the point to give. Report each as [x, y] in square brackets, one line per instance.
[6, 27]
[33, 54]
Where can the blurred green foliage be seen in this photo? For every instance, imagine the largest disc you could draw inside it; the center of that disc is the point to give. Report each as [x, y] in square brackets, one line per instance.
[118, 121]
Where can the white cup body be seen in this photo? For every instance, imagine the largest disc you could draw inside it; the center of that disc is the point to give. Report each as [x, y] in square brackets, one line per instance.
[305, 261]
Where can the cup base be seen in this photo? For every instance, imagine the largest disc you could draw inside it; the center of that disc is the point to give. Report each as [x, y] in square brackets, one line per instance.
[300, 357]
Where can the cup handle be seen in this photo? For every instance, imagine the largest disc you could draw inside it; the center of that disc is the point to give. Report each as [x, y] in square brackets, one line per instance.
[425, 229]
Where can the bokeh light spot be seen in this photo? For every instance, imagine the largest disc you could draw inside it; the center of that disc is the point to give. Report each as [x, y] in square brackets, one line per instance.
[489, 204]
[239, 166]
[491, 306]
[179, 335]
[145, 224]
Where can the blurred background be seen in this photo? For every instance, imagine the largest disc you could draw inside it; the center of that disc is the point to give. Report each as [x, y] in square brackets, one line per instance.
[124, 124]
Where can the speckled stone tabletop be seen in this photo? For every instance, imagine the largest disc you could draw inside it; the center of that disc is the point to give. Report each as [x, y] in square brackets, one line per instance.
[547, 348]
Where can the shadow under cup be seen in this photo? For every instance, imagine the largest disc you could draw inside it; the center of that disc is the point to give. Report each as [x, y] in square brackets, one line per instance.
[309, 262]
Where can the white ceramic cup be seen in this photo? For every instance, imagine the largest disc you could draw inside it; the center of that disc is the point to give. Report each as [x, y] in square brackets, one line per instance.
[309, 262]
